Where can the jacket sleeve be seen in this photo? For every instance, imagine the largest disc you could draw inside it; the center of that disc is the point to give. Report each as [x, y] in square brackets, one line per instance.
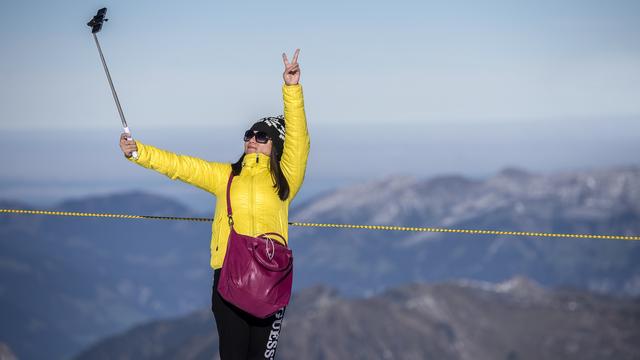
[296, 141]
[207, 175]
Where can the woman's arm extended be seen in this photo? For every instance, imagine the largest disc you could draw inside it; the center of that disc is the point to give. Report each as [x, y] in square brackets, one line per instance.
[296, 141]
[207, 175]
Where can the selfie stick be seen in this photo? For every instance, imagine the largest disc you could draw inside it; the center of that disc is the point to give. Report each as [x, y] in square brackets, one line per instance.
[96, 26]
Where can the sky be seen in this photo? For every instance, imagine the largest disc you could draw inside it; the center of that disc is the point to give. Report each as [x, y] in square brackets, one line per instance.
[464, 86]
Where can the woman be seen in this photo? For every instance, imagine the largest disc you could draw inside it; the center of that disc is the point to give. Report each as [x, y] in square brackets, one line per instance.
[266, 178]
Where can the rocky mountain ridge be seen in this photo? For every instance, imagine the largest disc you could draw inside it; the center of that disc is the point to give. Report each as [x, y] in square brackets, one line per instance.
[602, 201]
[516, 319]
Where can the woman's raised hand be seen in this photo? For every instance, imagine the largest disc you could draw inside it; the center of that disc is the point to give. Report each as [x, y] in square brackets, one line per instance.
[291, 73]
[127, 146]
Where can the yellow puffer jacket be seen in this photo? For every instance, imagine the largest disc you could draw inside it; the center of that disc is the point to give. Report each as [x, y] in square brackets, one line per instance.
[257, 209]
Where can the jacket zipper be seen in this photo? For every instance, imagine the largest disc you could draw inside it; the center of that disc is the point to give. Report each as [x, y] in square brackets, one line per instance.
[252, 200]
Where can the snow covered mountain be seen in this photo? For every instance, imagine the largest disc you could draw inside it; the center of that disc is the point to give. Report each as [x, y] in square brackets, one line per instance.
[601, 201]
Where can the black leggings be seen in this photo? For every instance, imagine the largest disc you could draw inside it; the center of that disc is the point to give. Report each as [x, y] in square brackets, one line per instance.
[241, 335]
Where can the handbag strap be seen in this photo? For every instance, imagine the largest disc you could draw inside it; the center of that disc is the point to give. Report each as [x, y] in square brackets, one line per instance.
[267, 235]
[230, 212]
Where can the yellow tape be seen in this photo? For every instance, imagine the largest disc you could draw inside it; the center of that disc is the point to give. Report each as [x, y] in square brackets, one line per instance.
[350, 226]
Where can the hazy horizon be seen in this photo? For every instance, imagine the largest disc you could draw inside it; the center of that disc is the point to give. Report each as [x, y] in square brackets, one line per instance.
[89, 162]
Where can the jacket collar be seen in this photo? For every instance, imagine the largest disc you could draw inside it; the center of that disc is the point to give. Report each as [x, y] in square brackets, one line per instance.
[256, 160]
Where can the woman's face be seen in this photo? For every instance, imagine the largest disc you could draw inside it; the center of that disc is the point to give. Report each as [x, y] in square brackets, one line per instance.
[252, 146]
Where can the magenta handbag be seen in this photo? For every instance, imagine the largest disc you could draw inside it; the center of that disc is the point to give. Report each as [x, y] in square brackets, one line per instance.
[257, 272]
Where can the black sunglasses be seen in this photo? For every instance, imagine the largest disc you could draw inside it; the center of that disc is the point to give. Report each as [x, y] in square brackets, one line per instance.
[261, 137]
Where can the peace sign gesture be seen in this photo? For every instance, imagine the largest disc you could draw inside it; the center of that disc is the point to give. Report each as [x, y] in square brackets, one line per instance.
[291, 73]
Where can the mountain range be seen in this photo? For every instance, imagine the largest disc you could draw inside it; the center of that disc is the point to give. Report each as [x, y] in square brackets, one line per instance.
[600, 201]
[67, 282]
[463, 320]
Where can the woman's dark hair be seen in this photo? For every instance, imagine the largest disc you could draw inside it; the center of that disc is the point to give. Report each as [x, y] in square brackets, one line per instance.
[279, 180]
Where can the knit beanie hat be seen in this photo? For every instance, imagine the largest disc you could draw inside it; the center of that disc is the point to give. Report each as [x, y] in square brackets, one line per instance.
[274, 127]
